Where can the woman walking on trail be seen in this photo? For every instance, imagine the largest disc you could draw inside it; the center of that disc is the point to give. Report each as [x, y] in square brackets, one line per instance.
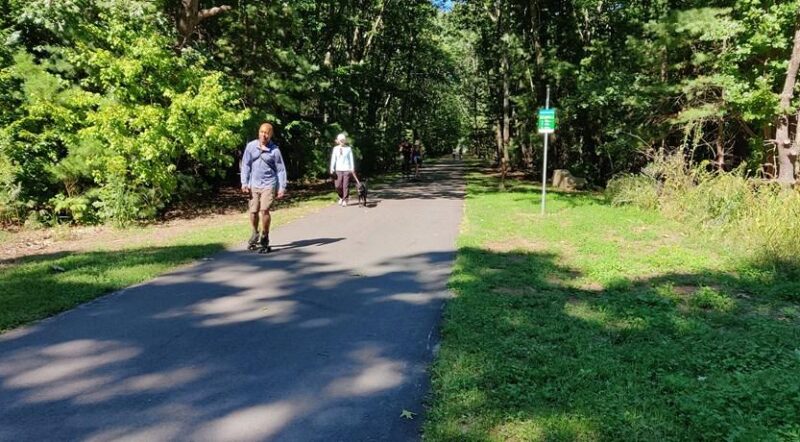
[416, 157]
[342, 165]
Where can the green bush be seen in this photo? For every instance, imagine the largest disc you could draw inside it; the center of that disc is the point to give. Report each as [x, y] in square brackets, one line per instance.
[715, 199]
[771, 223]
[708, 298]
[77, 208]
[11, 208]
[122, 204]
[760, 218]
[112, 120]
[635, 190]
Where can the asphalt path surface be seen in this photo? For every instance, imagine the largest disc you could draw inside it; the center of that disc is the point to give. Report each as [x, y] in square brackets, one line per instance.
[328, 338]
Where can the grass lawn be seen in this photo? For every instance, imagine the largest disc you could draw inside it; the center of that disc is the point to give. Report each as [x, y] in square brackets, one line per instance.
[40, 286]
[609, 323]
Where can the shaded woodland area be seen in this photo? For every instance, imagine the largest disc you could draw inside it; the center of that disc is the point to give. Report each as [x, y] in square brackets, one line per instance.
[115, 110]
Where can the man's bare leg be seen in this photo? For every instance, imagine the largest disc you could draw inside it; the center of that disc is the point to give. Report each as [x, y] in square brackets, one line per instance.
[266, 218]
[254, 234]
[254, 221]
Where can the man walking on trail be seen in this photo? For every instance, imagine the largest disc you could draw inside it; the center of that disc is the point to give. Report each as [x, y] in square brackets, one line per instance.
[405, 151]
[263, 172]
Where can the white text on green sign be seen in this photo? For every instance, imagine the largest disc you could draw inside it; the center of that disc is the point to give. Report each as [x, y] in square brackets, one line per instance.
[547, 121]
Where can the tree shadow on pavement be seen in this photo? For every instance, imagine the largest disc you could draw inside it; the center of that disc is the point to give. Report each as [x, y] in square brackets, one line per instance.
[305, 243]
[206, 352]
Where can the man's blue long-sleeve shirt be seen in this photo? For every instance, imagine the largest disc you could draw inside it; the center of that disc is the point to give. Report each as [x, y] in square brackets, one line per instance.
[262, 168]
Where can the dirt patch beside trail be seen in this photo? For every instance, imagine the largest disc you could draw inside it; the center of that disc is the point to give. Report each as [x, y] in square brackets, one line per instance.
[227, 206]
[28, 243]
[517, 244]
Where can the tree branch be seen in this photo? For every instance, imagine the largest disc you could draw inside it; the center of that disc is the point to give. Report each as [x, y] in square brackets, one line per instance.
[190, 15]
[376, 25]
[210, 12]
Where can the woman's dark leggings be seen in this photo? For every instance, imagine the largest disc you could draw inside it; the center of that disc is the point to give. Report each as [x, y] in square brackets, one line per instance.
[342, 184]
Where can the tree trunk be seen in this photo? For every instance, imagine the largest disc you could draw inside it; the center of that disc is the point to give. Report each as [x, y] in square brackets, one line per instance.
[797, 140]
[720, 144]
[506, 114]
[498, 136]
[376, 26]
[783, 144]
[476, 122]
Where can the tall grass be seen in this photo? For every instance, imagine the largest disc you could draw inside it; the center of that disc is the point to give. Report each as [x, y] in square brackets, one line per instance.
[758, 217]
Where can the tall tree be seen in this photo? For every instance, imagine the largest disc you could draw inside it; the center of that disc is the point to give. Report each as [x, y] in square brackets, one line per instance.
[786, 149]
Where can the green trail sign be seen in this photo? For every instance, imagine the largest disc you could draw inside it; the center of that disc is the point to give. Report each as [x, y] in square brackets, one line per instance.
[547, 125]
[547, 121]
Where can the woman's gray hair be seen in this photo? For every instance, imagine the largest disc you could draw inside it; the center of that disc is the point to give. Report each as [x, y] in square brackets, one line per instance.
[342, 136]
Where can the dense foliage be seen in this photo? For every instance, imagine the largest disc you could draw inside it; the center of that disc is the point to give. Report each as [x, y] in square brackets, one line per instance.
[631, 77]
[112, 109]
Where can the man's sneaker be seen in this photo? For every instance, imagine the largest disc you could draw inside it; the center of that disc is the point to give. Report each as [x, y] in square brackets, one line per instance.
[340, 201]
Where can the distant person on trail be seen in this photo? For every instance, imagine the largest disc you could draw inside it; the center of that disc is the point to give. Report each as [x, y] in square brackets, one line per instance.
[263, 172]
[416, 157]
[342, 165]
[405, 152]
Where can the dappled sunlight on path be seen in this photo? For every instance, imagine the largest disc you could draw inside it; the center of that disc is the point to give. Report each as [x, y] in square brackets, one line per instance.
[326, 338]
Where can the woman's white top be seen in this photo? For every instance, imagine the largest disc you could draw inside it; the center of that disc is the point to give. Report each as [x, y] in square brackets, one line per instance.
[342, 159]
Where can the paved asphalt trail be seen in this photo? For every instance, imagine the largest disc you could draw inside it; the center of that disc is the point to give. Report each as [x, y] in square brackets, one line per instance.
[326, 339]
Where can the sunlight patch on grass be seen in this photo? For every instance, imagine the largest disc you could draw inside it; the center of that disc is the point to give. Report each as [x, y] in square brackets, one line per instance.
[708, 298]
[546, 428]
[583, 312]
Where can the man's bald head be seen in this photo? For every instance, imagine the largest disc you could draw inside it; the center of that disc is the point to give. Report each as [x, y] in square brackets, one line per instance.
[265, 133]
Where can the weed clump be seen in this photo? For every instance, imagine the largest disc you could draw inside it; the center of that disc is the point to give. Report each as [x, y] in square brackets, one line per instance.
[758, 217]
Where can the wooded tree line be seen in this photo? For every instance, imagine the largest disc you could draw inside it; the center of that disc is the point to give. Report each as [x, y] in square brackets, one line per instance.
[113, 110]
[711, 79]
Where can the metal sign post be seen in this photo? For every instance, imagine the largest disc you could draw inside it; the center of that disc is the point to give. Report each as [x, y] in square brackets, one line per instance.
[547, 125]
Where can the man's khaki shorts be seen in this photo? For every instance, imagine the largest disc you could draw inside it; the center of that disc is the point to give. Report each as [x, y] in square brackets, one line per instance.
[261, 199]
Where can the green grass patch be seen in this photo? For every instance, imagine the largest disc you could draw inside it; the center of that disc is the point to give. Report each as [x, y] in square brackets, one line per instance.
[610, 323]
[40, 286]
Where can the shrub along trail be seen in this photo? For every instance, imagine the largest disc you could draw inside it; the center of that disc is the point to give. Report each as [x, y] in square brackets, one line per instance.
[609, 323]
